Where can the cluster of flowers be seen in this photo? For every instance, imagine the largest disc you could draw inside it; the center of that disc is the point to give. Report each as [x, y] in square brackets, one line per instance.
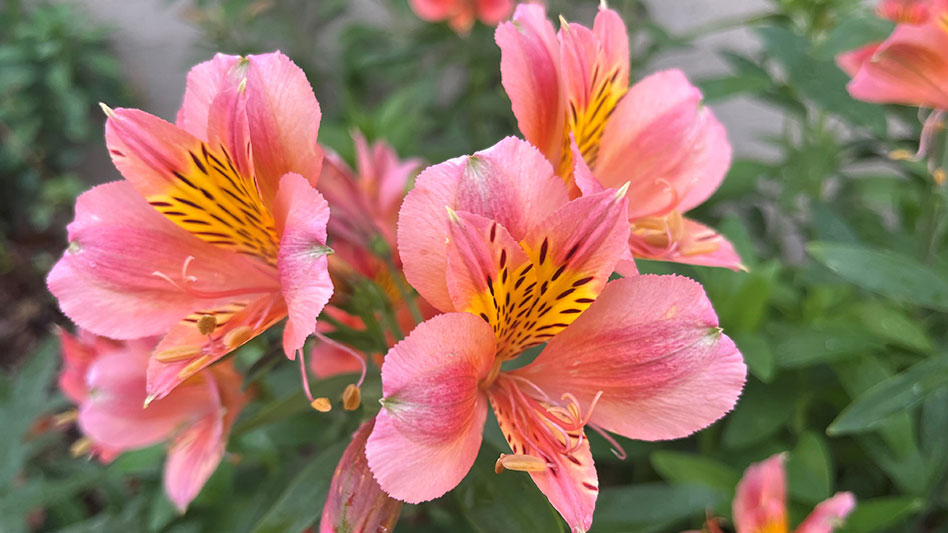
[220, 228]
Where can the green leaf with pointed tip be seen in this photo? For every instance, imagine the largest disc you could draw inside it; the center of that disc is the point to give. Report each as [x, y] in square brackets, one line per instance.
[648, 507]
[892, 396]
[879, 514]
[885, 272]
[809, 470]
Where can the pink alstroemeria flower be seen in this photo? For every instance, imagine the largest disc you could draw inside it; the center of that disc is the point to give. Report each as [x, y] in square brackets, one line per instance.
[760, 505]
[106, 379]
[573, 86]
[461, 14]
[217, 232]
[910, 67]
[364, 205]
[494, 242]
[355, 502]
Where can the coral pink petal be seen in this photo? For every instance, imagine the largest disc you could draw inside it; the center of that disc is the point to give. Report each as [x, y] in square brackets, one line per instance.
[283, 117]
[195, 452]
[850, 62]
[582, 175]
[905, 11]
[760, 499]
[428, 432]
[107, 283]
[530, 72]
[302, 214]
[652, 346]
[434, 10]
[356, 502]
[910, 67]
[510, 183]
[491, 12]
[573, 486]
[205, 82]
[481, 259]
[829, 514]
[613, 40]
[115, 416]
[696, 245]
[671, 148]
[148, 150]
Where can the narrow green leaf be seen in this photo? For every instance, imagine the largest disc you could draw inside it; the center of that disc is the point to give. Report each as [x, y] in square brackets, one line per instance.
[891, 396]
[650, 506]
[879, 514]
[302, 502]
[809, 469]
[886, 272]
[683, 468]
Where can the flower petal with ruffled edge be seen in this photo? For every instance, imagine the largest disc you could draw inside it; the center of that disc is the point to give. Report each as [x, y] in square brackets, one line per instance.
[652, 346]
[760, 500]
[828, 514]
[510, 182]
[428, 432]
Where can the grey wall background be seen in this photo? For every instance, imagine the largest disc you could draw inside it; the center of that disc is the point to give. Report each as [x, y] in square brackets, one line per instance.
[157, 45]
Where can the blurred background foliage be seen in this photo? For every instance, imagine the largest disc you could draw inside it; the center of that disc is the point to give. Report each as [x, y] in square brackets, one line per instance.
[841, 319]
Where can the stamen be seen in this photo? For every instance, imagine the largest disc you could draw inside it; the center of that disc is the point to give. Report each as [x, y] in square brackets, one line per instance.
[194, 366]
[351, 398]
[520, 463]
[354, 354]
[81, 447]
[321, 404]
[178, 353]
[207, 324]
[305, 379]
[187, 280]
[66, 417]
[617, 449]
[237, 336]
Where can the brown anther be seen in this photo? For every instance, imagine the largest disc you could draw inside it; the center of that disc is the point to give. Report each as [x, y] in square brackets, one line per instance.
[901, 155]
[178, 353]
[322, 404]
[499, 465]
[207, 324]
[940, 176]
[81, 447]
[237, 336]
[351, 397]
[520, 463]
[66, 417]
[193, 366]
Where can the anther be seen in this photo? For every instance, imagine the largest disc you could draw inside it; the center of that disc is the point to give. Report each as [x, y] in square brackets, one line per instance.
[194, 366]
[207, 324]
[351, 397]
[237, 336]
[520, 463]
[66, 417]
[321, 404]
[81, 447]
[178, 353]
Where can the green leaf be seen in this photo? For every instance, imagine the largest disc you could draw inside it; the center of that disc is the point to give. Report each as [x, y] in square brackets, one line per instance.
[879, 514]
[650, 506]
[687, 468]
[506, 502]
[302, 502]
[853, 31]
[885, 272]
[893, 325]
[809, 469]
[892, 396]
[796, 347]
[761, 411]
[757, 354]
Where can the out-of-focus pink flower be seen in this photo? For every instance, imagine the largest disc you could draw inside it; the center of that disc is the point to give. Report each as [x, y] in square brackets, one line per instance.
[760, 504]
[106, 379]
[910, 67]
[461, 14]
[364, 204]
[355, 502]
[217, 232]
[573, 87]
[494, 241]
